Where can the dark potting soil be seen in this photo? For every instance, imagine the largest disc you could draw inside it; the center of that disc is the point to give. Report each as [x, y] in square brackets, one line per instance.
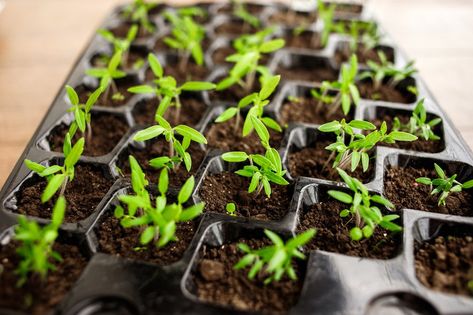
[221, 53]
[156, 149]
[122, 87]
[310, 162]
[333, 232]
[36, 296]
[222, 188]
[343, 55]
[217, 282]
[192, 111]
[234, 93]
[420, 144]
[401, 188]
[291, 19]
[224, 136]
[121, 31]
[445, 263]
[234, 28]
[254, 9]
[192, 72]
[307, 73]
[304, 110]
[344, 8]
[125, 242]
[107, 131]
[135, 57]
[306, 40]
[385, 93]
[83, 194]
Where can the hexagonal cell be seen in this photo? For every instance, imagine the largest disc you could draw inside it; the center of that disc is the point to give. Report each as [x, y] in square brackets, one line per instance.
[228, 8]
[319, 210]
[110, 237]
[377, 115]
[303, 67]
[230, 26]
[343, 53]
[397, 92]
[306, 156]
[107, 129]
[212, 279]
[120, 30]
[292, 18]
[443, 254]
[132, 61]
[400, 303]
[298, 105]
[84, 194]
[44, 294]
[346, 8]
[301, 39]
[220, 186]
[400, 186]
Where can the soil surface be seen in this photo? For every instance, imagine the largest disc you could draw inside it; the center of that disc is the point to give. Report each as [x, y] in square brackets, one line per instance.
[191, 112]
[419, 145]
[385, 93]
[234, 93]
[83, 194]
[306, 72]
[310, 162]
[401, 188]
[122, 88]
[107, 131]
[222, 188]
[344, 8]
[445, 263]
[307, 40]
[192, 72]
[291, 19]
[224, 136]
[156, 149]
[218, 283]
[121, 31]
[234, 28]
[333, 232]
[36, 296]
[363, 55]
[119, 241]
[254, 9]
[304, 110]
[134, 56]
[221, 53]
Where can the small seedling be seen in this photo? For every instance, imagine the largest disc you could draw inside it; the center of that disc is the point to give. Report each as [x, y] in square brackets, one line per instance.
[121, 44]
[231, 209]
[367, 216]
[59, 176]
[326, 14]
[323, 96]
[192, 12]
[254, 119]
[36, 244]
[177, 148]
[107, 77]
[240, 11]
[157, 220]
[82, 117]
[360, 32]
[418, 124]
[263, 170]
[138, 12]
[444, 185]
[352, 151]
[277, 259]
[166, 90]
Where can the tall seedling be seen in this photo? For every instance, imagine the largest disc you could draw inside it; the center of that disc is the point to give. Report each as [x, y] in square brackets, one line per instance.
[121, 44]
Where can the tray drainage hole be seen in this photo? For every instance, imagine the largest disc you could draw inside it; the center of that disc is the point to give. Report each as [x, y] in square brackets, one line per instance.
[400, 303]
[107, 306]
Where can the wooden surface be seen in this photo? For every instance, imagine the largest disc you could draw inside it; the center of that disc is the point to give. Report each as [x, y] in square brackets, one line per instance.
[40, 40]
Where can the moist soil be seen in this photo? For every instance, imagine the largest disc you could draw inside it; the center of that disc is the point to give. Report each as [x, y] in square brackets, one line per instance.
[307, 73]
[222, 188]
[121, 31]
[344, 8]
[333, 232]
[385, 93]
[122, 87]
[291, 19]
[401, 188]
[310, 162]
[156, 149]
[305, 40]
[224, 136]
[107, 131]
[234, 93]
[101, 60]
[83, 194]
[419, 145]
[254, 9]
[304, 110]
[217, 282]
[116, 240]
[234, 28]
[192, 111]
[36, 296]
[445, 263]
[343, 55]
[192, 72]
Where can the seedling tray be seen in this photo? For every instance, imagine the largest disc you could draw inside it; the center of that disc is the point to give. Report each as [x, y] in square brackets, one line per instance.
[333, 283]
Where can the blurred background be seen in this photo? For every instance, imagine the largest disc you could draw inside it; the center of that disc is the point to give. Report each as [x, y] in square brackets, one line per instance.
[40, 41]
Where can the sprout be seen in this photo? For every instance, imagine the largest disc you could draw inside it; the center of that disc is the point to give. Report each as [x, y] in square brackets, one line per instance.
[444, 185]
[240, 11]
[138, 12]
[121, 44]
[367, 216]
[231, 209]
[326, 14]
[276, 259]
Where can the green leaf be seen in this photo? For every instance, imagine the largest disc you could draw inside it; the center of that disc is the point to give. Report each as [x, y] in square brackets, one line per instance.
[76, 151]
[51, 170]
[271, 123]
[247, 100]
[439, 171]
[424, 180]
[138, 179]
[356, 234]
[301, 239]
[330, 126]
[245, 261]
[119, 212]
[367, 231]
[227, 114]
[159, 162]
[274, 238]
[235, 156]
[155, 65]
[345, 213]
[402, 136]
[193, 134]
[163, 181]
[340, 196]
[260, 128]
[362, 125]
[72, 95]
[142, 89]
[197, 86]
[58, 211]
[147, 235]
[269, 85]
[468, 184]
[35, 167]
[53, 186]
[355, 160]
[93, 99]
[186, 190]
[383, 201]
[272, 45]
[148, 133]
[80, 118]
[192, 212]
[115, 61]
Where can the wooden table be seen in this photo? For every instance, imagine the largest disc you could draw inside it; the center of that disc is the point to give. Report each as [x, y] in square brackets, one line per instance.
[40, 40]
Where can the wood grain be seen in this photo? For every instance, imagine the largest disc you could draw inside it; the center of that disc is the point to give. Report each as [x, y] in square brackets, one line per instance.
[40, 40]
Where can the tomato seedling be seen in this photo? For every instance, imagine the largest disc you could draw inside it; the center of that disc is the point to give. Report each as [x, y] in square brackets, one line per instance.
[138, 12]
[122, 44]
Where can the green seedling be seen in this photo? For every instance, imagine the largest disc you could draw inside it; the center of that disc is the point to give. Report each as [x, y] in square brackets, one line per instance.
[384, 69]
[187, 37]
[360, 32]
[470, 286]
[367, 216]
[444, 185]
[254, 119]
[157, 220]
[121, 44]
[82, 117]
[351, 149]
[177, 148]
[275, 260]
[326, 14]
[323, 96]
[263, 170]
[138, 12]
[418, 124]
[231, 209]
[240, 11]
[36, 244]
[192, 12]
[166, 89]
[108, 75]
[59, 176]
